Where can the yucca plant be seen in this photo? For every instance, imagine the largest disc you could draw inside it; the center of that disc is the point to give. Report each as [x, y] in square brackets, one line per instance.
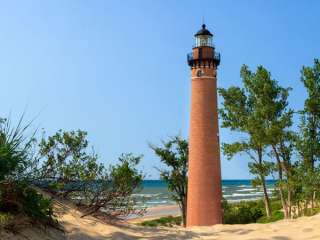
[17, 194]
[14, 149]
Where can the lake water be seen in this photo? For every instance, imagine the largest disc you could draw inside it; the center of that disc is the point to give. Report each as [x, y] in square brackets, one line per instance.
[155, 192]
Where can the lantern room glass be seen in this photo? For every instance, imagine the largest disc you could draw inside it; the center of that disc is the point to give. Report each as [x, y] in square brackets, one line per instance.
[203, 41]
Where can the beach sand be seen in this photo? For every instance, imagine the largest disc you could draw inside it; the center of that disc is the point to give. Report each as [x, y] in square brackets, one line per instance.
[89, 228]
[156, 212]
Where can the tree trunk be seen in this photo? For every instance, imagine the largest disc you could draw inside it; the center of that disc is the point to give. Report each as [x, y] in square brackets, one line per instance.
[313, 201]
[184, 215]
[282, 198]
[264, 187]
[289, 203]
[182, 203]
[266, 197]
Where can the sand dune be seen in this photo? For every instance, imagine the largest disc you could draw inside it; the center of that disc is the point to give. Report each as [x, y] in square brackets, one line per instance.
[77, 228]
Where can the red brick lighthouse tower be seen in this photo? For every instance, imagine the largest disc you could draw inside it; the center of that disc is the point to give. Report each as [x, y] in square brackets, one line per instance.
[204, 177]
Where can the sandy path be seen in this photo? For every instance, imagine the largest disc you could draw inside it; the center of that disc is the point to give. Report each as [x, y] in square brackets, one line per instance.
[92, 229]
[77, 228]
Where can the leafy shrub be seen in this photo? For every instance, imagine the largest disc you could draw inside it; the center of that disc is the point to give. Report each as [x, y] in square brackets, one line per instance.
[276, 205]
[113, 191]
[164, 221]
[36, 206]
[243, 212]
[251, 212]
[6, 220]
[70, 169]
[276, 215]
[14, 149]
[68, 160]
[16, 162]
[19, 197]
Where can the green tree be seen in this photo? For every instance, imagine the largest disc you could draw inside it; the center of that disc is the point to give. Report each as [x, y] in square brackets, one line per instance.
[174, 154]
[68, 160]
[309, 144]
[113, 190]
[272, 105]
[283, 145]
[73, 171]
[308, 141]
[258, 111]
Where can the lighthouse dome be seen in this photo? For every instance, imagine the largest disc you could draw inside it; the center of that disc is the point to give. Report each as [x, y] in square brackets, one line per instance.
[203, 32]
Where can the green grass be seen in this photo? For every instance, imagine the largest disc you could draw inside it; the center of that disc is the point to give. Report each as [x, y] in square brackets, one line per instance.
[6, 220]
[276, 216]
[163, 221]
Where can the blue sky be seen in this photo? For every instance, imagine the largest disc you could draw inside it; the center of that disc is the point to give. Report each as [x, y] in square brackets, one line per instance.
[118, 70]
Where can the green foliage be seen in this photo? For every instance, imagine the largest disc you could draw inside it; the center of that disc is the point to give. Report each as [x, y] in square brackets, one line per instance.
[6, 220]
[258, 111]
[169, 221]
[14, 150]
[276, 216]
[263, 168]
[304, 180]
[36, 206]
[174, 154]
[115, 194]
[308, 143]
[19, 197]
[251, 212]
[73, 172]
[67, 159]
[16, 159]
[125, 177]
[243, 212]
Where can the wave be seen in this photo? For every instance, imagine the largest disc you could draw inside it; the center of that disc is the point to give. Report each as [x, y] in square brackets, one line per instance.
[157, 202]
[148, 195]
[247, 194]
[246, 190]
[227, 195]
[243, 199]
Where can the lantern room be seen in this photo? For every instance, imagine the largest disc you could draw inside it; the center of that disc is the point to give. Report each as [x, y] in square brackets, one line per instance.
[203, 37]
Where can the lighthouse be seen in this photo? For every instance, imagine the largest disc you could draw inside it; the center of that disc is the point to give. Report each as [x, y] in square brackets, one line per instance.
[204, 177]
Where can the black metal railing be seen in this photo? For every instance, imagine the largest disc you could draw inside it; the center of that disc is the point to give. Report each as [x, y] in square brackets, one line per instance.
[215, 57]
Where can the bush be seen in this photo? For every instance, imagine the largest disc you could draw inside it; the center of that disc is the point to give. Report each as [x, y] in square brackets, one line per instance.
[113, 191]
[164, 221]
[243, 212]
[71, 170]
[276, 215]
[37, 207]
[20, 198]
[6, 220]
[17, 197]
[251, 212]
